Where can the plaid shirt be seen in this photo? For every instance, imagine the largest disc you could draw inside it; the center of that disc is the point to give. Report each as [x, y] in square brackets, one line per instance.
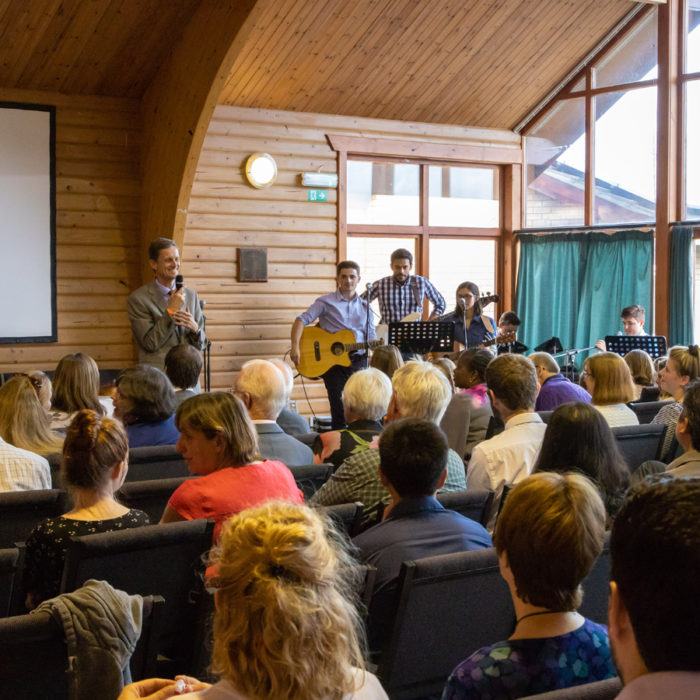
[399, 300]
[21, 470]
[357, 480]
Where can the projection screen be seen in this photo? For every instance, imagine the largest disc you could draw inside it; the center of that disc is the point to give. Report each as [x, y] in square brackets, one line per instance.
[27, 223]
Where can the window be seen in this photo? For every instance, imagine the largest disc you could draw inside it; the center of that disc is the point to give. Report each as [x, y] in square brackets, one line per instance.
[691, 108]
[463, 196]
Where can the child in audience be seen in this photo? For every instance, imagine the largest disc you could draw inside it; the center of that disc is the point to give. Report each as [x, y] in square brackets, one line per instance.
[548, 536]
[643, 375]
[95, 462]
[76, 385]
[608, 380]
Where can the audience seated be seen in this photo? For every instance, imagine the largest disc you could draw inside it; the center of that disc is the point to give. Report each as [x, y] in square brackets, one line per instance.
[688, 434]
[548, 536]
[653, 613]
[22, 470]
[607, 378]
[447, 367]
[261, 387]
[420, 390]
[76, 385]
[508, 457]
[95, 461]
[555, 388]
[387, 359]
[681, 368]
[145, 402]
[413, 459]
[470, 382]
[183, 365]
[289, 420]
[23, 421]
[643, 375]
[218, 442]
[578, 438]
[366, 397]
[285, 625]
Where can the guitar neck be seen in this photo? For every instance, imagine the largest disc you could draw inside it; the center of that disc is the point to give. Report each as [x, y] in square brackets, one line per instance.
[352, 347]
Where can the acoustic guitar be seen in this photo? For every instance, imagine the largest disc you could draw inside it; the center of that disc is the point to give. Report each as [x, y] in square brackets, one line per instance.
[320, 350]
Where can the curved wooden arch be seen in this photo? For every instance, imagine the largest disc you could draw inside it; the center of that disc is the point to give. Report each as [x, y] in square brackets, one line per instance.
[176, 110]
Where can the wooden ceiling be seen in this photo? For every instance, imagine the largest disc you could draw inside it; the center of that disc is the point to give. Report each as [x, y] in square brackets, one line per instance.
[473, 62]
[88, 47]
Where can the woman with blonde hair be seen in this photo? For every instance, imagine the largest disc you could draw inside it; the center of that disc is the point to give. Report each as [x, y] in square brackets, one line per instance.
[608, 380]
[76, 385]
[23, 421]
[643, 375]
[43, 387]
[387, 359]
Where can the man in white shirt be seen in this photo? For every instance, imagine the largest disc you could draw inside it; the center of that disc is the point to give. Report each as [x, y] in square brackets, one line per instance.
[509, 457]
[21, 470]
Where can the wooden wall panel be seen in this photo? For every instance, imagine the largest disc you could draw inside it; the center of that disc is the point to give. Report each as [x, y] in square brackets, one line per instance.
[247, 321]
[97, 222]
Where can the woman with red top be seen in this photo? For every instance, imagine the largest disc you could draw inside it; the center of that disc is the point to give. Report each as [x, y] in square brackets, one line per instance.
[219, 443]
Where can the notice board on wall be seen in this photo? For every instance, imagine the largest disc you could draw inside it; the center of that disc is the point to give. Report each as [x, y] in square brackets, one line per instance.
[27, 223]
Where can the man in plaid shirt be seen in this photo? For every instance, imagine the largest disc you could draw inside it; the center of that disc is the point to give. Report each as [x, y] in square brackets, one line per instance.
[402, 293]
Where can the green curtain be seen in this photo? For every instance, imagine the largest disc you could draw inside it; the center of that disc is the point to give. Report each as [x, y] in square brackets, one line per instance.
[680, 331]
[573, 286]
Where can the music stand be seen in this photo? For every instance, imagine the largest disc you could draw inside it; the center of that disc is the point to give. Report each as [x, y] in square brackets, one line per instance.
[654, 345]
[421, 337]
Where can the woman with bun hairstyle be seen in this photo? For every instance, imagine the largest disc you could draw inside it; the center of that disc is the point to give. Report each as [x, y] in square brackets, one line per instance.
[94, 465]
[682, 367]
[23, 421]
[76, 385]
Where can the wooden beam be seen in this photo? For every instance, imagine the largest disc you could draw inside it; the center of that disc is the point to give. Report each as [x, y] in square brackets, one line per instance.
[512, 194]
[666, 159]
[176, 111]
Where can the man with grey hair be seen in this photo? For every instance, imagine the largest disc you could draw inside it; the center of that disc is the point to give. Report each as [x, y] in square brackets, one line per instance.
[555, 388]
[420, 390]
[261, 387]
[289, 420]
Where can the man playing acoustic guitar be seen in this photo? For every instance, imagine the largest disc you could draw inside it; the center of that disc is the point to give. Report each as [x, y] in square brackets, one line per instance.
[340, 310]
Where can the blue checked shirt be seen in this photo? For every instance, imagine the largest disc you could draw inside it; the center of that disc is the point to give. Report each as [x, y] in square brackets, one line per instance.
[399, 300]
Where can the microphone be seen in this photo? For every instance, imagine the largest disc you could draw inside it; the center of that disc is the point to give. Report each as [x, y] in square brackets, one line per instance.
[369, 287]
[179, 282]
[461, 303]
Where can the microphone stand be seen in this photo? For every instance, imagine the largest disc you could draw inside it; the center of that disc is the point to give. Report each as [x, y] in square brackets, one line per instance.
[369, 311]
[463, 307]
[569, 367]
[207, 349]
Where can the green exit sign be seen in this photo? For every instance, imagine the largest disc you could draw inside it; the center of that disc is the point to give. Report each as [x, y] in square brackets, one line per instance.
[317, 195]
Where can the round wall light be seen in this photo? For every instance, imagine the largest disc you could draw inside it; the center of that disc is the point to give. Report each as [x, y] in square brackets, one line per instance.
[260, 170]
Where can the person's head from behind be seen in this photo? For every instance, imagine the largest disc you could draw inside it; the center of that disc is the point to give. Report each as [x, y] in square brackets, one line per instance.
[23, 421]
[420, 390]
[183, 365]
[512, 383]
[262, 388]
[548, 536]
[413, 458]
[143, 395]
[681, 368]
[641, 367]
[608, 379]
[471, 368]
[285, 625]
[386, 358]
[633, 319]
[95, 453]
[447, 367]
[688, 425]
[43, 387]
[653, 616]
[76, 384]
[509, 322]
[401, 264]
[287, 375]
[545, 365]
[578, 438]
[215, 432]
[366, 395]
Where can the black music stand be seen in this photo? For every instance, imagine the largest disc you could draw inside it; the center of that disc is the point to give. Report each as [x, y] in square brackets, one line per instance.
[654, 345]
[420, 337]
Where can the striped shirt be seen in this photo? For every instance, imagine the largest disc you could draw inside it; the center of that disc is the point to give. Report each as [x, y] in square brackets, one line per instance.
[398, 300]
[21, 470]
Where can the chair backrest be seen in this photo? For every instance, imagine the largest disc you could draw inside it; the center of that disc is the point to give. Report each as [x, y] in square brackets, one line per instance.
[149, 496]
[639, 443]
[311, 477]
[346, 516]
[165, 560]
[35, 657]
[471, 504]
[20, 511]
[596, 587]
[464, 597]
[600, 690]
[646, 410]
[155, 462]
[8, 569]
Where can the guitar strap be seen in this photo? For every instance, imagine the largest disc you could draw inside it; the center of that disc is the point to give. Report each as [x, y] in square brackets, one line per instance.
[416, 293]
[488, 324]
